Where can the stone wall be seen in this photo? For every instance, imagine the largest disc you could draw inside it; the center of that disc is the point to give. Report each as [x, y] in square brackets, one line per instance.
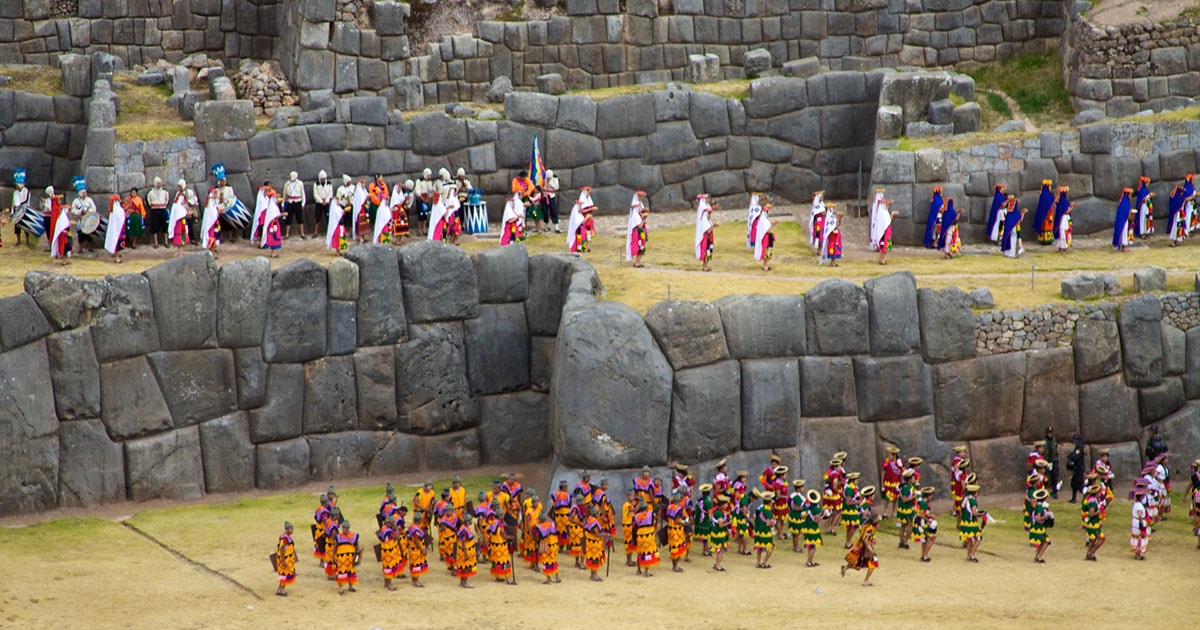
[188, 379]
[139, 31]
[1095, 160]
[598, 44]
[1126, 69]
[43, 134]
[857, 368]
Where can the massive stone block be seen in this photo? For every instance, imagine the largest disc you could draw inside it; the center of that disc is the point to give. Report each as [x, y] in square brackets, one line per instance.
[497, 349]
[251, 377]
[837, 318]
[91, 466]
[21, 322]
[342, 334]
[612, 387]
[822, 437]
[452, 451]
[281, 465]
[891, 388]
[66, 301]
[541, 362]
[770, 403]
[1141, 340]
[29, 444]
[1108, 411]
[228, 453]
[706, 411]
[1004, 460]
[165, 466]
[549, 275]
[894, 323]
[243, 287]
[75, 374]
[966, 397]
[185, 301]
[438, 282]
[397, 453]
[1182, 431]
[947, 325]
[1051, 397]
[380, 303]
[513, 428]
[124, 324]
[918, 436]
[282, 412]
[297, 308]
[131, 403]
[502, 274]
[340, 455]
[1159, 401]
[225, 120]
[330, 400]
[432, 393]
[762, 326]
[1096, 348]
[827, 387]
[197, 384]
[1174, 350]
[375, 378]
[690, 334]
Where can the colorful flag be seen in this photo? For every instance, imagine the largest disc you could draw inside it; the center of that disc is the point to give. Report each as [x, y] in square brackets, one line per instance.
[537, 168]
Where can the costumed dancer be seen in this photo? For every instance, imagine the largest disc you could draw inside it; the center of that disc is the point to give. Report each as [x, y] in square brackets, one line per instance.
[1041, 520]
[20, 198]
[816, 221]
[893, 467]
[886, 215]
[347, 556]
[906, 507]
[851, 506]
[635, 230]
[498, 551]
[391, 555]
[581, 227]
[437, 218]
[360, 217]
[764, 530]
[210, 228]
[925, 525]
[377, 197]
[381, 230]
[1011, 244]
[704, 241]
[1194, 503]
[399, 202]
[1140, 523]
[1189, 202]
[272, 237]
[1043, 221]
[285, 559]
[335, 230]
[345, 200]
[294, 200]
[136, 221]
[595, 544]
[646, 539]
[1177, 227]
[971, 522]
[831, 237]
[677, 524]
[451, 221]
[718, 539]
[995, 219]
[862, 551]
[416, 540]
[1062, 220]
[1122, 230]
[159, 199]
[183, 205]
[547, 549]
[114, 237]
[949, 242]
[764, 238]
[933, 219]
[465, 556]
[751, 218]
[82, 206]
[877, 223]
[1092, 511]
[810, 526]
[1143, 225]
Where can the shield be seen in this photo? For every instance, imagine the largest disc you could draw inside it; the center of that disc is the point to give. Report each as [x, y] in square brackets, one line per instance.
[89, 222]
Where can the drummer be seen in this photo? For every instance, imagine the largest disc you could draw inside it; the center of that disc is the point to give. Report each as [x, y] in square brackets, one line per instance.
[159, 198]
[226, 199]
[20, 198]
[463, 184]
[135, 221]
[82, 206]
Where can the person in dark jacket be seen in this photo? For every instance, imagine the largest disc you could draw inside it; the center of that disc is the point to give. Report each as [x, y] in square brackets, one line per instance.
[1155, 446]
[1052, 462]
[1077, 464]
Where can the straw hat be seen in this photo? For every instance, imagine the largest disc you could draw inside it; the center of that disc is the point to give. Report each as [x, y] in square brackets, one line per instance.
[853, 475]
[775, 459]
[966, 461]
[908, 473]
[1196, 464]
[721, 464]
[1032, 478]
[1101, 468]
[706, 487]
[799, 483]
[756, 493]
[842, 455]
[927, 491]
[1040, 443]
[767, 496]
[1040, 494]
[894, 450]
[1091, 476]
[1094, 489]
[973, 488]
[781, 470]
[1103, 451]
[916, 461]
[813, 496]
[724, 498]
[868, 491]
[836, 462]
[971, 478]
[742, 473]
[1040, 463]
[961, 448]
[681, 468]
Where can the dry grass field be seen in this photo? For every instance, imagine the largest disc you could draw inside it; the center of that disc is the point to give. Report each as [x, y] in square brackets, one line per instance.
[205, 566]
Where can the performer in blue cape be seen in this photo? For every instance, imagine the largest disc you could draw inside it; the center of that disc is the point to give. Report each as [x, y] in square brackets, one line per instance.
[1122, 233]
[995, 220]
[1176, 221]
[1143, 210]
[1043, 225]
[1062, 220]
[949, 233]
[931, 221]
[1010, 244]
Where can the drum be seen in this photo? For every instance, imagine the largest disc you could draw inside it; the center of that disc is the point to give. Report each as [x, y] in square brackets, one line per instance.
[102, 227]
[238, 215]
[30, 220]
[475, 219]
[474, 195]
[89, 223]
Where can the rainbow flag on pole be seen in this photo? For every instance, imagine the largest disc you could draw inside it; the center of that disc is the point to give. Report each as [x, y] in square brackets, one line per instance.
[537, 168]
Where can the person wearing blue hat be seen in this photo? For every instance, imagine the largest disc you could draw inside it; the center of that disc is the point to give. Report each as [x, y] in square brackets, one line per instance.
[82, 206]
[20, 198]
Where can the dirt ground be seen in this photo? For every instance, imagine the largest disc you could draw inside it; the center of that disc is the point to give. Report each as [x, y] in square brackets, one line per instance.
[1119, 12]
[206, 567]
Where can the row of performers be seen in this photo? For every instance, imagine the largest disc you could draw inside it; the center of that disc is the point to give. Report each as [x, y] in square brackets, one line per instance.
[1053, 215]
[1135, 213]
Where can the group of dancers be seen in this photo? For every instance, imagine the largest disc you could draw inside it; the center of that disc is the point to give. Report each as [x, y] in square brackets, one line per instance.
[1135, 214]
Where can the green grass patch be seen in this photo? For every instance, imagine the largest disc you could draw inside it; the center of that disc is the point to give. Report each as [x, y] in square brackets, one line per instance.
[1034, 81]
[996, 103]
[145, 114]
[515, 14]
[34, 79]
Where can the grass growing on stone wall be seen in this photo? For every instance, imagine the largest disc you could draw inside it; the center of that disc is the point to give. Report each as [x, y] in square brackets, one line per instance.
[1034, 81]
[963, 141]
[734, 88]
[35, 79]
[145, 114]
